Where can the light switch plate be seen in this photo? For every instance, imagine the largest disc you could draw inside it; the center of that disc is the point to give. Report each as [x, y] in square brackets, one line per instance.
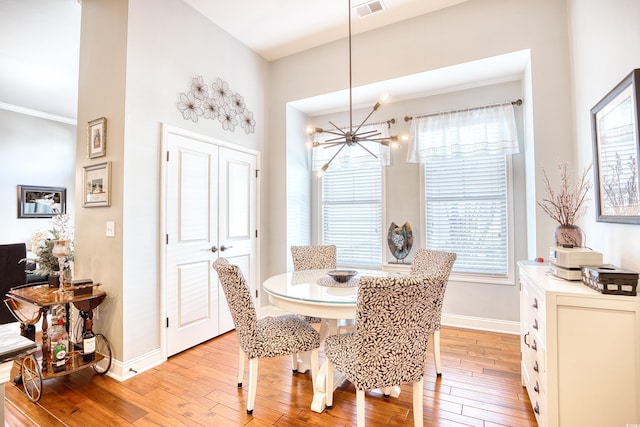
[111, 229]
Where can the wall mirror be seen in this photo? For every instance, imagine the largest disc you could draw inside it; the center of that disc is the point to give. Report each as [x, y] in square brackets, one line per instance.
[616, 147]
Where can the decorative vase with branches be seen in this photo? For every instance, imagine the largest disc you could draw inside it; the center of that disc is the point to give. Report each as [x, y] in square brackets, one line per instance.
[566, 204]
[48, 263]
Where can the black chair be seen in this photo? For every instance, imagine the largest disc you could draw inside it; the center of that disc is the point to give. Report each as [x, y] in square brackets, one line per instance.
[12, 273]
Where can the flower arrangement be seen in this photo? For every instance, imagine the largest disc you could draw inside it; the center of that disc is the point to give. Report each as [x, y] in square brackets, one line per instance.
[42, 243]
[566, 205]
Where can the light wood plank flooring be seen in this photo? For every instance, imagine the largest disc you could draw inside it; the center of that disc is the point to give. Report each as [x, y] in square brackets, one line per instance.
[480, 386]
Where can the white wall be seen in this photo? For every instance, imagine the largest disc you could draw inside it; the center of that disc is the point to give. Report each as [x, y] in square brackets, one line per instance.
[34, 151]
[459, 34]
[162, 61]
[602, 33]
[164, 48]
[298, 207]
[605, 49]
[403, 198]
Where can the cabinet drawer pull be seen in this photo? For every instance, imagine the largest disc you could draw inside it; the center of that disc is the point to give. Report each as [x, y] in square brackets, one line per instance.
[536, 387]
[535, 366]
[536, 409]
[535, 303]
[525, 339]
[534, 345]
[535, 324]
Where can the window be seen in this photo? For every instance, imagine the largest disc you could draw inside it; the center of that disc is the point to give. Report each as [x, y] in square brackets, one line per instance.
[467, 211]
[351, 212]
[467, 185]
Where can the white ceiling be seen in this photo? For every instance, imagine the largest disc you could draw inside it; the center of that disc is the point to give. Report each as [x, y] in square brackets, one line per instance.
[278, 28]
[39, 47]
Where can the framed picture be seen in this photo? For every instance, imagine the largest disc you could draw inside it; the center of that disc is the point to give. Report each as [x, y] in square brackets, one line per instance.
[97, 185]
[616, 146]
[41, 202]
[97, 138]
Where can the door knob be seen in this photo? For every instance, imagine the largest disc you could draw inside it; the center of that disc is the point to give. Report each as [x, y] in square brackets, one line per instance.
[224, 248]
[213, 248]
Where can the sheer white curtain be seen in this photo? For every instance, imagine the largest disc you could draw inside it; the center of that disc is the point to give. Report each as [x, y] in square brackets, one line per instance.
[351, 156]
[487, 130]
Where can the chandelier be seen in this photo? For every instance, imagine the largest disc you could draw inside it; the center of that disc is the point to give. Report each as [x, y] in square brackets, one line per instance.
[351, 137]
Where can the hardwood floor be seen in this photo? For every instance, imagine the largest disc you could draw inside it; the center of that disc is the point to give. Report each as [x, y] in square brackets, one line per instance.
[480, 386]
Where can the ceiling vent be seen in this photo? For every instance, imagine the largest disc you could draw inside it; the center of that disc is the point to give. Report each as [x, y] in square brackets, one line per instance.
[368, 8]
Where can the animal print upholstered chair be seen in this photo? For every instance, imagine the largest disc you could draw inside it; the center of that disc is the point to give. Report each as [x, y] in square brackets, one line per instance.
[435, 263]
[261, 338]
[313, 257]
[388, 346]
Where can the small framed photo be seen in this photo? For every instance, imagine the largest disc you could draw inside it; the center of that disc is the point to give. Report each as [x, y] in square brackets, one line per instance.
[97, 138]
[97, 185]
[41, 202]
[616, 149]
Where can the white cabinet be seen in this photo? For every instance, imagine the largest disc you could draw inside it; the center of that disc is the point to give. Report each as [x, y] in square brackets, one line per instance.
[580, 351]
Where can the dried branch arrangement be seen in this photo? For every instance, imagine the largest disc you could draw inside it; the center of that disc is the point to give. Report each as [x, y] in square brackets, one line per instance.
[566, 205]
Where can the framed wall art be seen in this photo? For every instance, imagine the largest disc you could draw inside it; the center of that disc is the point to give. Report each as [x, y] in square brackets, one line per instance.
[97, 185]
[616, 146]
[41, 202]
[97, 138]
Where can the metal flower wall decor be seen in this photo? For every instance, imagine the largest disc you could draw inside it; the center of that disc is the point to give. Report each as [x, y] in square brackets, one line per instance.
[221, 104]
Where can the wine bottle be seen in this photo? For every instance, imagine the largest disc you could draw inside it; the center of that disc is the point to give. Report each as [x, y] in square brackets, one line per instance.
[88, 343]
[60, 346]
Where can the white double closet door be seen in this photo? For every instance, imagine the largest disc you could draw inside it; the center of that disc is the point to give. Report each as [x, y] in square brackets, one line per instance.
[210, 212]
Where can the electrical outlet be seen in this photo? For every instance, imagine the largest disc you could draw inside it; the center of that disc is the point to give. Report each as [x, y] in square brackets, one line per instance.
[111, 229]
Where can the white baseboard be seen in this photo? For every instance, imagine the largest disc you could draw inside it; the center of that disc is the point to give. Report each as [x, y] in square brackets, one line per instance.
[480, 323]
[121, 372]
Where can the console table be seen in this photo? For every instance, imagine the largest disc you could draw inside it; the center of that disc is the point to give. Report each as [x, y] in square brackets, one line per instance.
[580, 351]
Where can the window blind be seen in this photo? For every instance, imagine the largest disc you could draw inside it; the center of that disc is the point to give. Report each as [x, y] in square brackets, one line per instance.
[352, 212]
[467, 212]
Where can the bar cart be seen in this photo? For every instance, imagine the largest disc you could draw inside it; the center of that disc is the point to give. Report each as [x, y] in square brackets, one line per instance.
[30, 303]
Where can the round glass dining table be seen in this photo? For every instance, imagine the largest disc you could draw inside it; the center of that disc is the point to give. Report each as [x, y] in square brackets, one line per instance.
[314, 293]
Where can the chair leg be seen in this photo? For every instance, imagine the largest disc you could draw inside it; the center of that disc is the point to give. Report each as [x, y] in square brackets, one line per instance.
[294, 363]
[360, 407]
[436, 352]
[253, 384]
[418, 417]
[241, 358]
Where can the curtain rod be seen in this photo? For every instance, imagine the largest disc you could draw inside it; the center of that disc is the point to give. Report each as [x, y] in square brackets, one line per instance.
[391, 121]
[516, 102]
